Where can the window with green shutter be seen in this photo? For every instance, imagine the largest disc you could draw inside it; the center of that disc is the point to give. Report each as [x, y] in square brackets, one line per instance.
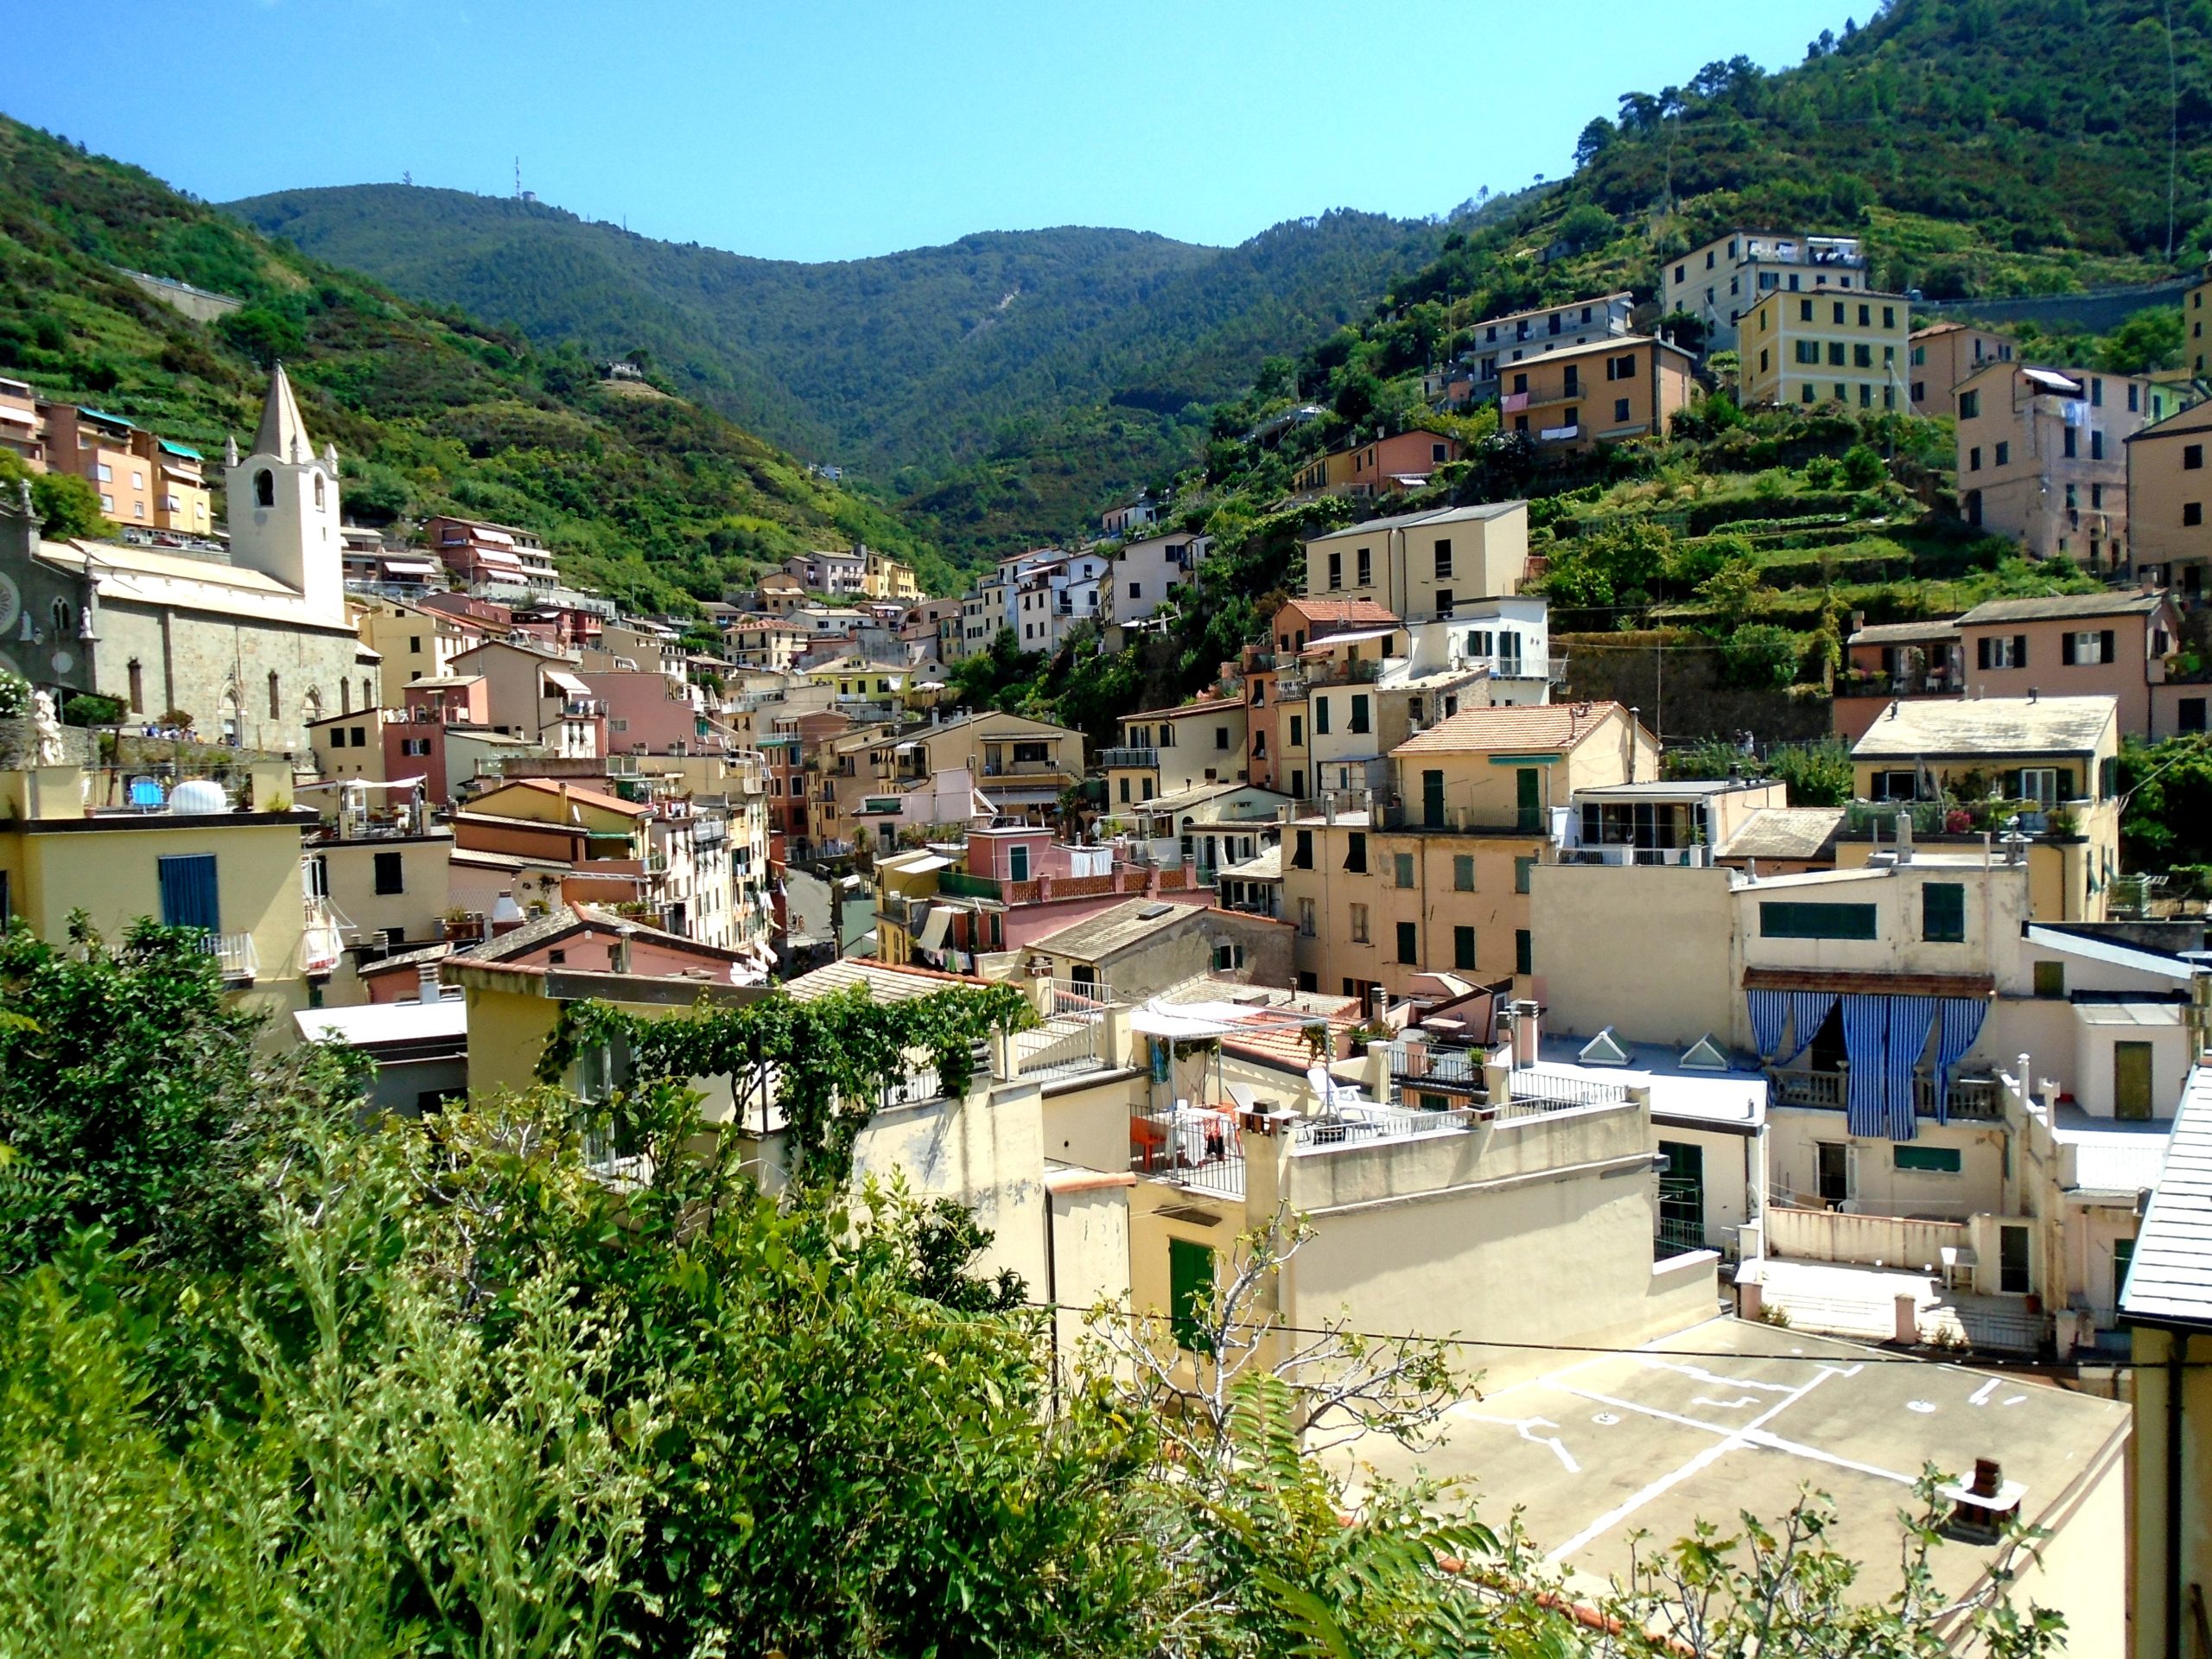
[1463, 873]
[1524, 954]
[1402, 864]
[1408, 943]
[1521, 869]
[1190, 1282]
[1932, 1161]
[1781, 920]
[1463, 947]
[1943, 912]
[2050, 979]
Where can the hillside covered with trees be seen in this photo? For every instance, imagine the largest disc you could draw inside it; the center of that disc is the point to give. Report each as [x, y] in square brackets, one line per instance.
[905, 363]
[647, 496]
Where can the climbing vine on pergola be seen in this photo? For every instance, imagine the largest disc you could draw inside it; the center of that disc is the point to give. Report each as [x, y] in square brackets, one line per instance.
[833, 1057]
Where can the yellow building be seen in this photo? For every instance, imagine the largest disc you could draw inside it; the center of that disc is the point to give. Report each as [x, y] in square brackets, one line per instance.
[1604, 392]
[1416, 564]
[224, 860]
[1432, 874]
[2042, 769]
[2168, 487]
[1170, 751]
[414, 644]
[1832, 347]
[181, 504]
[885, 578]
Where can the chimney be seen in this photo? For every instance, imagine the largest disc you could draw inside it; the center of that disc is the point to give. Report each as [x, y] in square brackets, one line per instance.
[507, 915]
[1526, 1033]
[1904, 837]
[1988, 1478]
[429, 991]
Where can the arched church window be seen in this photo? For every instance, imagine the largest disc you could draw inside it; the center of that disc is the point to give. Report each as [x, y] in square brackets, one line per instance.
[65, 617]
[275, 707]
[265, 488]
[368, 698]
[311, 710]
[345, 696]
[318, 489]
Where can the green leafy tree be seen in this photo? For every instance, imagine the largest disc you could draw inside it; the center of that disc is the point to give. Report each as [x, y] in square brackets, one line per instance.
[1760, 655]
[2146, 342]
[133, 1098]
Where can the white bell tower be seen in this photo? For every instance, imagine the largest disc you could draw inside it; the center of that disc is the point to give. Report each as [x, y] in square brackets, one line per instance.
[284, 505]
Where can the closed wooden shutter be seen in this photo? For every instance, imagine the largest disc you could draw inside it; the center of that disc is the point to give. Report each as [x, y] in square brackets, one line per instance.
[188, 893]
[2108, 646]
[2066, 650]
[1190, 1278]
[2019, 651]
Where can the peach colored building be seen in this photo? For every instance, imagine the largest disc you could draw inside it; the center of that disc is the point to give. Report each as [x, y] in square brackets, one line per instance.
[1604, 392]
[1387, 466]
[1892, 660]
[97, 449]
[2110, 645]
[2043, 456]
[1944, 356]
[2169, 490]
[21, 433]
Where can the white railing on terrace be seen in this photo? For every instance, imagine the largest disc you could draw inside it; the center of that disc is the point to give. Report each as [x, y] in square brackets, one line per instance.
[1675, 857]
[234, 952]
[1072, 1035]
[1369, 1125]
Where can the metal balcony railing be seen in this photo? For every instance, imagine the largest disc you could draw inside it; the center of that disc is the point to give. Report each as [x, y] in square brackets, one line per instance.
[1128, 757]
[234, 952]
[1977, 1099]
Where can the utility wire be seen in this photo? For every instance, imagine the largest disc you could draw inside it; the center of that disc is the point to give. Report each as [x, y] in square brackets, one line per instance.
[1977, 1363]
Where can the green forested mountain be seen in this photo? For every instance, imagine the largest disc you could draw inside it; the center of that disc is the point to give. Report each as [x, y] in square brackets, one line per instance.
[922, 358]
[648, 496]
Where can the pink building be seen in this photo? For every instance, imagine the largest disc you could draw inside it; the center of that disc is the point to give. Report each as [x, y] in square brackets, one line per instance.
[648, 714]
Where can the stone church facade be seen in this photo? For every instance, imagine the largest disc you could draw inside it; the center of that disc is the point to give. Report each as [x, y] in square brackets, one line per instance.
[253, 648]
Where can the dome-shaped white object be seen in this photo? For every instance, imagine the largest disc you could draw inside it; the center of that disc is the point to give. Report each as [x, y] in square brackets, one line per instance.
[199, 795]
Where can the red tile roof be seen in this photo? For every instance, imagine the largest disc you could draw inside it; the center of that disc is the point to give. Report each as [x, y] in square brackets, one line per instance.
[1552, 726]
[1347, 613]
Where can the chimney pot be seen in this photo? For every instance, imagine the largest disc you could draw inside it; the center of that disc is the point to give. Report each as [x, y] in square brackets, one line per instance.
[1988, 1478]
[428, 988]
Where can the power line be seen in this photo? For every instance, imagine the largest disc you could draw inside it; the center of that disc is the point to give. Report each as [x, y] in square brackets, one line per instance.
[1992, 1363]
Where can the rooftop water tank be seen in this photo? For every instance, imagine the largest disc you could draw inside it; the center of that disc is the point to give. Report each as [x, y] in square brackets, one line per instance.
[199, 795]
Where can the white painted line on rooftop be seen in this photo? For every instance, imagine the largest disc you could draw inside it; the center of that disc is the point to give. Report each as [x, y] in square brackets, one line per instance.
[1981, 1395]
[1737, 1404]
[1703, 1460]
[1799, 1449]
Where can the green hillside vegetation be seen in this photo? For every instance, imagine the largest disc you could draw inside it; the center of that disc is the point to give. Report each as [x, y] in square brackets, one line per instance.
[651, 498]
[907, 364]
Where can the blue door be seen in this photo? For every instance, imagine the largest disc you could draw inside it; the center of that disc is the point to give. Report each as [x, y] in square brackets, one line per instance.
[188, 893]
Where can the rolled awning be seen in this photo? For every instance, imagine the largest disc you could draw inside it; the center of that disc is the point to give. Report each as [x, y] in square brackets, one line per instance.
[568, 683]
[939, 923]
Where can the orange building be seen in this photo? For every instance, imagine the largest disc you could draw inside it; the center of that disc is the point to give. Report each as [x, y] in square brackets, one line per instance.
[1945, 356]
[1613, 390]
[97, 448]
[2113, 644]
[1387, 466]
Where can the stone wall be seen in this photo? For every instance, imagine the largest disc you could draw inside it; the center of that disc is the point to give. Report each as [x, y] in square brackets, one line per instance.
[1678, 692]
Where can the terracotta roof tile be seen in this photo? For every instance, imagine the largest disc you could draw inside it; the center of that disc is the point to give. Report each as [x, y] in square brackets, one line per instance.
[1551, 726]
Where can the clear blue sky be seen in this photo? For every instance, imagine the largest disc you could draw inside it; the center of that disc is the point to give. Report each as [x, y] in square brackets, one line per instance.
[814, 130]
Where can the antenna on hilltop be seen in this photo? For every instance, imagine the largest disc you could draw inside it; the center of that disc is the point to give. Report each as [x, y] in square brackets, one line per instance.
[517, 178]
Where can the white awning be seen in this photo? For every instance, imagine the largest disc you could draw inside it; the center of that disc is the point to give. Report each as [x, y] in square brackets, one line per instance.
[408, 567]
[2049, 381]
[934, 930]
[568, 683]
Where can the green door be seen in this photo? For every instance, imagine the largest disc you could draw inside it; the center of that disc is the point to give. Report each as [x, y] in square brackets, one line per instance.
[2131, 1082]
[1681, 1197]
[1529, 796]
[1190, 1281]
[1431, 799]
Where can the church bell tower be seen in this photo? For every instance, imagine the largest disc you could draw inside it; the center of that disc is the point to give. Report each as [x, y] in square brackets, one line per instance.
[284, 505]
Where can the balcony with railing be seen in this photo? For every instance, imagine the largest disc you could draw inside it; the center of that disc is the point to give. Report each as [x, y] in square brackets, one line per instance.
[1327, 671]
[1520, 668]
[1129, 757]
[1979, 1100]
[234, 954]
[1445, 817]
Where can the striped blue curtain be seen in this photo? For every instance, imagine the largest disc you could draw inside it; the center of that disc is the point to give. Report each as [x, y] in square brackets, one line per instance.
[1768, 1009]
[1911, 1018]
[1866, 1029]
[1807, 1010]
[1963, 1017]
